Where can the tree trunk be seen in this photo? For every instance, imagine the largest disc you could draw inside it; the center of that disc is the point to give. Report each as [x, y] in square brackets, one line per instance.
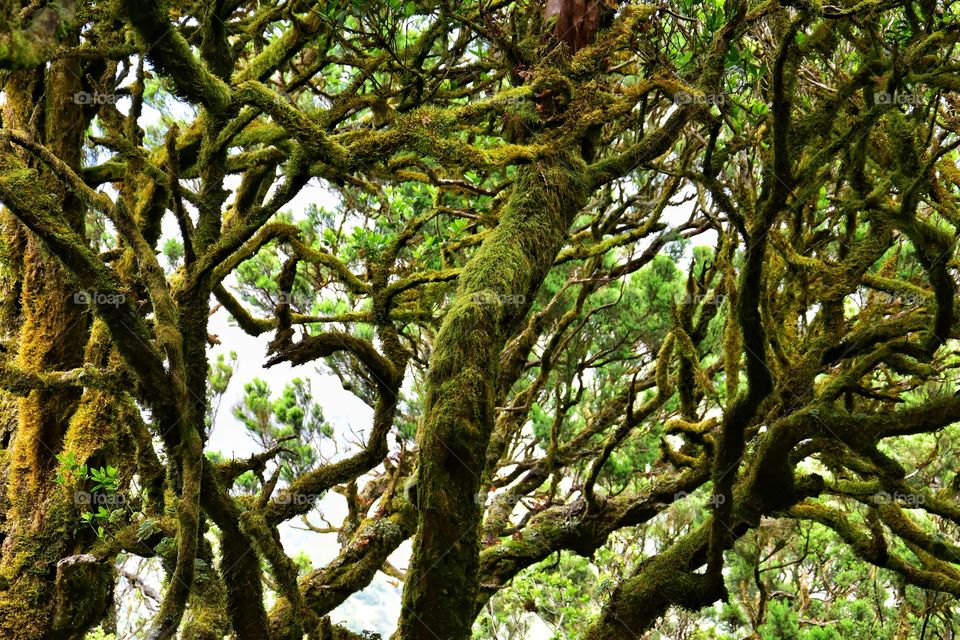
[51, 591]
[441, 588]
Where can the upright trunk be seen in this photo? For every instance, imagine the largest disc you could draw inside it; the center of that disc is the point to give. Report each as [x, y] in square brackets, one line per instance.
[42, 598]
[494, 294]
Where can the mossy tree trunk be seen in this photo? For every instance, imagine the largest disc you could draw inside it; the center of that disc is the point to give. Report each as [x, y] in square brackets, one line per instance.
[44, 597]
[508, 268]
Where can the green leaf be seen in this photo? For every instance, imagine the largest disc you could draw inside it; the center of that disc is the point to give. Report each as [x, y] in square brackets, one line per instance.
[147, 528]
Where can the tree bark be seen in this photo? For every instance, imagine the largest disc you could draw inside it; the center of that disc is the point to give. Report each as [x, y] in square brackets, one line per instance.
[47, 596]
[441, 588]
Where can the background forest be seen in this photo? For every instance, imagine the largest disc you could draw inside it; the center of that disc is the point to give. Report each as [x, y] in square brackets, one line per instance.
[539, 319]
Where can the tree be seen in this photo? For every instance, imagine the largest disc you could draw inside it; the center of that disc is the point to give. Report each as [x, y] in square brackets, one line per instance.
[504, 281]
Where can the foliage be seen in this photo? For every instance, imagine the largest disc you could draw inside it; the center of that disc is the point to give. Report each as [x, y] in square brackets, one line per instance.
[652, 307]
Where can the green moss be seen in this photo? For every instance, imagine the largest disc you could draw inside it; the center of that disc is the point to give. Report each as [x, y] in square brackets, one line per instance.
[510, 265]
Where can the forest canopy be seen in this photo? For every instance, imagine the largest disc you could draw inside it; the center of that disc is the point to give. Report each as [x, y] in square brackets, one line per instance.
[651, 309]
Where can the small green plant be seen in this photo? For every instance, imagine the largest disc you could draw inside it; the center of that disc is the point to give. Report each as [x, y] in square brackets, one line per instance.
[92, 517]
[70, 469]
[104, 487]
[105, 479]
